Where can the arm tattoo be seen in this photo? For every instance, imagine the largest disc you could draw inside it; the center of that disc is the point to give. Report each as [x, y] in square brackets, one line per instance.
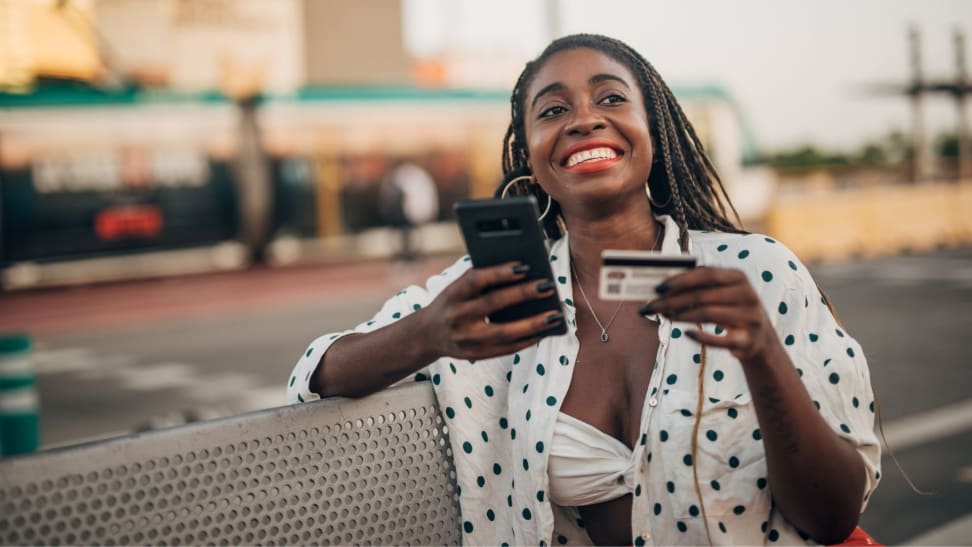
[778, 420]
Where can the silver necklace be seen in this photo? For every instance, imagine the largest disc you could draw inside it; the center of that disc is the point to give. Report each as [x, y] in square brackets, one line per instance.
[604, 328]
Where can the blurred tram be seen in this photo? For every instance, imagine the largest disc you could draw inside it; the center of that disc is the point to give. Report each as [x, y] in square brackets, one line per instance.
[102, 185]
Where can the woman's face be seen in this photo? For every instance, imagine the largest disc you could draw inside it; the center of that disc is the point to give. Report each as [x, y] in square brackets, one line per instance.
[586, 129]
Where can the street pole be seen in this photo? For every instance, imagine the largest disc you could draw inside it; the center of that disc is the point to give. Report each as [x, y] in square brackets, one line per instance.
[921, 161]
[962, 82]
[553, 19]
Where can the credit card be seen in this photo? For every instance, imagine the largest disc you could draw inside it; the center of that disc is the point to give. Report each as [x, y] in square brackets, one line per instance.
[633, 275]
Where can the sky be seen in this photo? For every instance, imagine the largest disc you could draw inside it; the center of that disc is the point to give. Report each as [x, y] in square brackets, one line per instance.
[798, 69]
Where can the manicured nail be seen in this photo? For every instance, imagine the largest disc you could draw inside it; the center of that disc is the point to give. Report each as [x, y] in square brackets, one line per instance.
[554, 318]
[647, 309]
[544, 286]
[692, 334]
[661, 288]
[521, 268]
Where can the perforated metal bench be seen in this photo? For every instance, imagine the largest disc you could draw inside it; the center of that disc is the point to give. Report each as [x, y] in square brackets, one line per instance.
[370, 471]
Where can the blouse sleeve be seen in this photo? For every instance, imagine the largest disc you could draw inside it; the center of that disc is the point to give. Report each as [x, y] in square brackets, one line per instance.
[405, 302]
[831, 365]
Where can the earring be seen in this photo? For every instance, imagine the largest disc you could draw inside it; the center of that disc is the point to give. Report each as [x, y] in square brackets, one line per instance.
[506, 190]
[652, 202]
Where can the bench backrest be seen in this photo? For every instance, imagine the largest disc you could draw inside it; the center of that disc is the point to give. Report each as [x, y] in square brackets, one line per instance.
[370, 471]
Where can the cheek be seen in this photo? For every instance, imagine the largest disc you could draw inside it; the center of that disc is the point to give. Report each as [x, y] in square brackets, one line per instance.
[535, 146]
[643, 131]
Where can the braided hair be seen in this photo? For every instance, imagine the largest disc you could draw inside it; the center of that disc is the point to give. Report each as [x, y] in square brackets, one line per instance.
[683, 177]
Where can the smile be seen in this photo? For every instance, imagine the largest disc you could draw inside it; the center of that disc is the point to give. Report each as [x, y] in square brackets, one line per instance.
[590, 156]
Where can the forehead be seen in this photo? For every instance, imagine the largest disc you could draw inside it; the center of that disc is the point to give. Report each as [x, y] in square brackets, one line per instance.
[575, 67]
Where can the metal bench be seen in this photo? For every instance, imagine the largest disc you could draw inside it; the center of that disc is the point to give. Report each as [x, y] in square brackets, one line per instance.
[376, 470]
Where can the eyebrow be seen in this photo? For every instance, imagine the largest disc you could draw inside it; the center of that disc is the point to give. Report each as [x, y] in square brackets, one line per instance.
[559, 86]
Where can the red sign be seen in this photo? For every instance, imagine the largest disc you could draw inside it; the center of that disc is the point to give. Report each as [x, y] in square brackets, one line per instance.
[128, 221]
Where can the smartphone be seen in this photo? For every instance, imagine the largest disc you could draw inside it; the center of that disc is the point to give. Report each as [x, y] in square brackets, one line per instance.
[633, 275]
[507, 230]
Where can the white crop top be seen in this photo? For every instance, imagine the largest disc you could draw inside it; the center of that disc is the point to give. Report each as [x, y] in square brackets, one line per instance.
[586, 465]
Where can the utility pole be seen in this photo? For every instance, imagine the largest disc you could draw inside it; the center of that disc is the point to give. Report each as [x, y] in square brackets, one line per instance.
[921, 162]
[552, 13]
[960, 92]
[916, 90]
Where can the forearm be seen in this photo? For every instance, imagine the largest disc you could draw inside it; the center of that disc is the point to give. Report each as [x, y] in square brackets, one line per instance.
[359, 364]
[817, 478]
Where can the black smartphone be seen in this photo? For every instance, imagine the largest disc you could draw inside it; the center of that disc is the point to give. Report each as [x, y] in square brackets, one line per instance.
[507, 230]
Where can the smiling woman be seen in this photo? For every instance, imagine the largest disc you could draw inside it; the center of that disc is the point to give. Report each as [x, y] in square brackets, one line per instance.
[731, 409]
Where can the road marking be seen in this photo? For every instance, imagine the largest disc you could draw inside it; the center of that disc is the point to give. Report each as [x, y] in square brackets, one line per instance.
[956, 532]
[260, 398]
[157, 376]
[223, 393]
[929, 426]
[222, 386]
[51, 361]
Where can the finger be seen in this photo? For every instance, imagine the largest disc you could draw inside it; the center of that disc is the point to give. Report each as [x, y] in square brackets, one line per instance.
[497, 339]
[736, 340]
[725, 316]
[704, 276]
[725, 295]
[498, 299]
[476, 280]
[490, 351]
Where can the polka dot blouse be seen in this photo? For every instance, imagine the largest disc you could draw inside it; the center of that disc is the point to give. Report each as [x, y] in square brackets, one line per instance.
[501, 412]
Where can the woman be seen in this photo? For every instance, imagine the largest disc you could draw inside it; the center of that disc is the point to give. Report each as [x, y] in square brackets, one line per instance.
[732, 409]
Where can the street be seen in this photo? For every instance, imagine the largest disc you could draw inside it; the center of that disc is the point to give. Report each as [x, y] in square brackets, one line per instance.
[116, 358]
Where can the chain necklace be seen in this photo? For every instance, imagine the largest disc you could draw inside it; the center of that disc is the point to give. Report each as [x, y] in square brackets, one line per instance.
[604, 327]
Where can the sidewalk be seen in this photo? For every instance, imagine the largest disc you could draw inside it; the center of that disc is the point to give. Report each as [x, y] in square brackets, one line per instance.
[85, 308]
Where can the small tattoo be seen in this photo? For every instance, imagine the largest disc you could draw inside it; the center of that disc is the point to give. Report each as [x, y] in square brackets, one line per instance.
[778, 420]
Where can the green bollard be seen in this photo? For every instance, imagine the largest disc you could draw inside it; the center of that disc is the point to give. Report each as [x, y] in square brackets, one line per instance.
[19, 421]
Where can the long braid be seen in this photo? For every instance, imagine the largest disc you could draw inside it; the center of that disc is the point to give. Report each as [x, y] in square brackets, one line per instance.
[707, 164]
[703, 164]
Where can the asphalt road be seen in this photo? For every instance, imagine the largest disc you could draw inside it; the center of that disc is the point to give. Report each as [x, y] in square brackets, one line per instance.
[116, 358]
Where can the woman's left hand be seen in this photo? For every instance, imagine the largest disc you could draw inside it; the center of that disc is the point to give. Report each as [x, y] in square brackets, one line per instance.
[722, 296]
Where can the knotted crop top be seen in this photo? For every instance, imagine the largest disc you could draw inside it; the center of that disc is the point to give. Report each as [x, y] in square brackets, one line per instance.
[586, 465]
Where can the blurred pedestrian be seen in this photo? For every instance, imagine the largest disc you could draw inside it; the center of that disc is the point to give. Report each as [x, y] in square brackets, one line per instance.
[408, 198]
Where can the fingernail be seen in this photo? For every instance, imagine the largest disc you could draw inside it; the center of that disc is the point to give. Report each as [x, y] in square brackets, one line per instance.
[521, 268]
[661, 288]
[692, 334]
[554, 318]
[545, 286]
[647, 309]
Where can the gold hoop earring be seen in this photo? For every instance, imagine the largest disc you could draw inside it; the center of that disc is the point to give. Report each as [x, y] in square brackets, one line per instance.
[506, 190]
[652, 202]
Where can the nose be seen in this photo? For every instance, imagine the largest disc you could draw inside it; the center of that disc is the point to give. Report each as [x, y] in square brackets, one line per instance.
[584, 121]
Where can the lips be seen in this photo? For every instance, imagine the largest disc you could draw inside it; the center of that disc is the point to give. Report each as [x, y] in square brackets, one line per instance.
[591, 156]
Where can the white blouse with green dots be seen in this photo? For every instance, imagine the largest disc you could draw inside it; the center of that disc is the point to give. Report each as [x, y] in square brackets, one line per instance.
[502, 412]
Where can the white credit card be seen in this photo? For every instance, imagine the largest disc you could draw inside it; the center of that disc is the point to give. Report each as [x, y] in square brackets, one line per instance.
[633, 275]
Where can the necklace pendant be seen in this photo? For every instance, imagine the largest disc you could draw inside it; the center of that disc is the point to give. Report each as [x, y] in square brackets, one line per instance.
[604, 337]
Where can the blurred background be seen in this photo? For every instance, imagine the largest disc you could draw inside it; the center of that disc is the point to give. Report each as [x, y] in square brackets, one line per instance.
[191, 190]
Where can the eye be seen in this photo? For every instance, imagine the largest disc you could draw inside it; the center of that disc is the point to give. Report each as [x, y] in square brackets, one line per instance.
[613, 98]
[552, 111]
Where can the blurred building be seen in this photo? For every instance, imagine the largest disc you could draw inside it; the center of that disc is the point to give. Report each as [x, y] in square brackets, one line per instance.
[36, 38]
[136, 151]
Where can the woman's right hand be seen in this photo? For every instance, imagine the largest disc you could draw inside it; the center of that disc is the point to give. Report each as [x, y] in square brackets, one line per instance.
[457, 324]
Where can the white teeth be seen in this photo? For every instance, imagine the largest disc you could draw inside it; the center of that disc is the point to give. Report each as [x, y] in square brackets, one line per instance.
[591, 154]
